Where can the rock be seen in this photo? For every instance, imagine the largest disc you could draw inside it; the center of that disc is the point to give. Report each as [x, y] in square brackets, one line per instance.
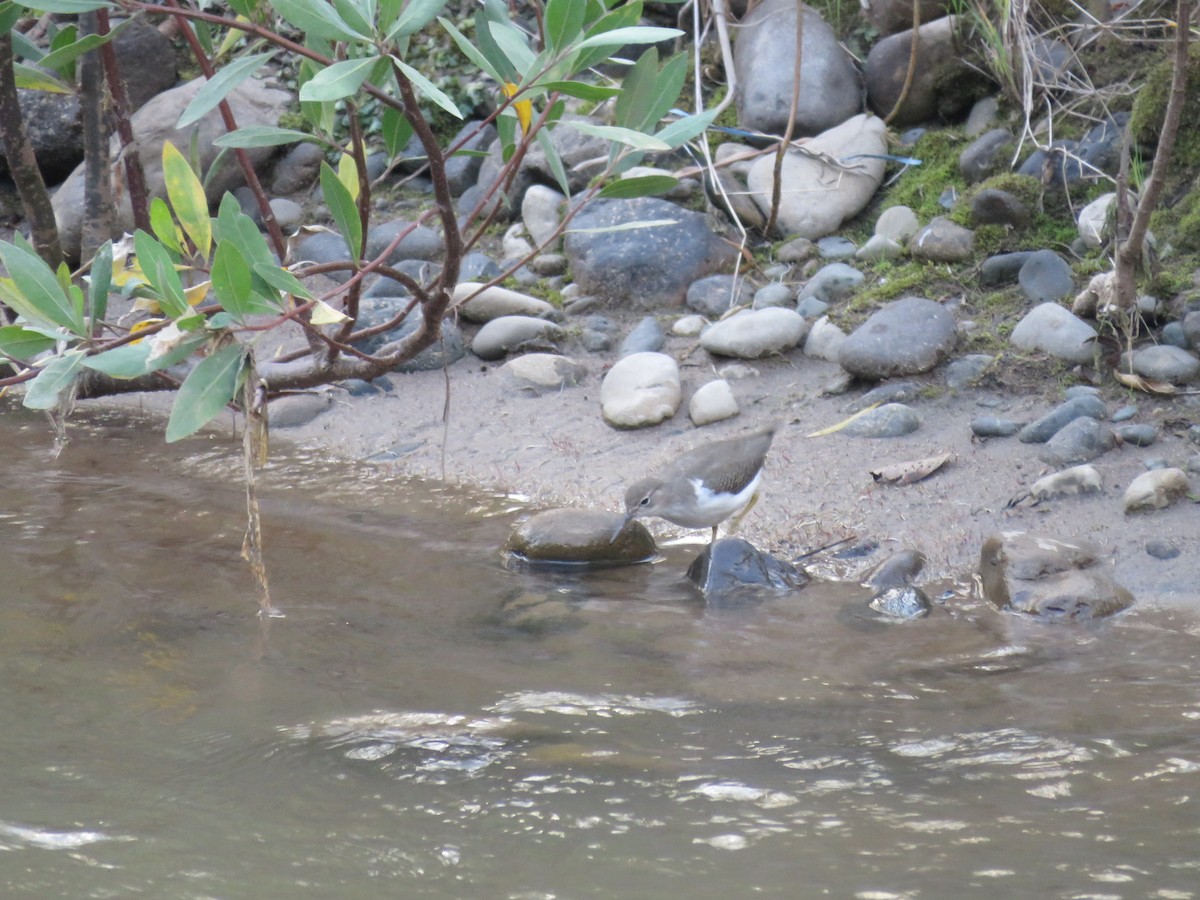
[942, 241]
[982, 115]
[824, 340]
[893, 392]
[764, 59]
[1079, 441]
[579, 536]
[509, 334]
[583, 156]
[1047, 578]
[1161, 549]
[987, 155]
[515, 244]
[966, 371]
[640, 390]
[994, 207]
[1094, 220]
[906, 337]
[832, 283]
[889, 420]
[990, 426]
[1069, 482]
[540, 213]
[462, 170]
[541, 373]
[712, 402]
[818, 197]
[419, 270]
[1191, 329]
[598, 334]
[812, 308]
[1156, 489]
[800, 250]
[646, 267]
[298, 170]
[1162, 362]
[731, 197]
[898, 569]
[755, 333]
[732, 572]
[294, 410]
[421, 242]
[895, 595]
[1046, 277]
[1055, 330]
[442, 353]
[928, 96]
[836, 246]
[489, 303]
[252, 103]
[717, 294]
[879, 248]
[892, 16]
[646, 336]
[689, 326]
[773, 294]
[1137, 435]
[1003, 268]
[1052, 422]
[897, 223]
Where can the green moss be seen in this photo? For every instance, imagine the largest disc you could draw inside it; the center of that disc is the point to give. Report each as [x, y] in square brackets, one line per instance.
[1151, 103]
[920, 186]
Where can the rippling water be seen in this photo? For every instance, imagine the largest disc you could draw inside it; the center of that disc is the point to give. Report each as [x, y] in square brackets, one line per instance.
[425, 723]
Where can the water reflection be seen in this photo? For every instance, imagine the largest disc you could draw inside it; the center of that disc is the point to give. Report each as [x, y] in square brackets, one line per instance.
[414, 729]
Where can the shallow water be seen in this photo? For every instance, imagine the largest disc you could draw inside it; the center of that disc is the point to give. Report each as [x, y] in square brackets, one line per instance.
[426, 723]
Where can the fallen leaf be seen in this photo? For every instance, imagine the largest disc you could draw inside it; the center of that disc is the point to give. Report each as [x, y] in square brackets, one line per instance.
[833, 429]
[1147, 385]
[910, 472]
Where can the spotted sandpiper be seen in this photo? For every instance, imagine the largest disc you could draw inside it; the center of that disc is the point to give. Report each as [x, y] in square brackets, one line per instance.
[704, 486]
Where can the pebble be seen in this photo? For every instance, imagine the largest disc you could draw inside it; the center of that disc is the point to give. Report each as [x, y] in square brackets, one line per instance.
[295, 410]
[755, 333]
[1048, 425]
[965, 371]
[942, 241]
[1156, 489]
[579, 536]
[1079, 441]
[906, 337]
[712, 402]
[689, 326]
[640, 390]
[1193, 463]
[1004, 268]
[717, 294]
[1163, 362]
[598, 334]
[891, 420]
[773, 294]
[1125, 413]
[507, 334]
[832, 283]
[1137, 435]
[646, 336]
[994, 207]
[1045, 277]
[1161, 549]
[879, 248]
[824, 340]
[991, 426]
[541, 373]
[540, 212]
[897, 224]
[488, 303]
[895, 392]
[812, 308]
[835, 247]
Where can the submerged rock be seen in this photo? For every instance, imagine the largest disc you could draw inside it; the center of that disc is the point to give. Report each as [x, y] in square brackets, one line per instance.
[578, 537]
[732, 571]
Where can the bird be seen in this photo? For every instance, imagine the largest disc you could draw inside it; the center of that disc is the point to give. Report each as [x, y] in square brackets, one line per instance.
[704, 486]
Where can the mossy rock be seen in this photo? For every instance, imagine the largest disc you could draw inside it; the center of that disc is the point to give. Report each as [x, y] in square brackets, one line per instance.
[1151, 104]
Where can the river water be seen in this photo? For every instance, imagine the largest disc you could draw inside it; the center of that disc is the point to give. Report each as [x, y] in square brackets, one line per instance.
[428, 723]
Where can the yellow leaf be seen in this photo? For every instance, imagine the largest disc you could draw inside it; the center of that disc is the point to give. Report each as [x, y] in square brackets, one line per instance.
[523, 108]
[324, 314]
[347, 173]
[1148, 385]
[833, 429]
[231, 38]
[187, 197]
[197, 292]
[142, 326]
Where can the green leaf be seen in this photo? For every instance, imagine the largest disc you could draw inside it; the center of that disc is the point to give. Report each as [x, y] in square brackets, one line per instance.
[416, 15]
[282, 280]
[485, 40]
[36, 80]
[563, 20]
[397, 131]
[343, 209]
[316, 17]
[593, 92]
[231, 279]
[100, 282]
[206, 391]
[187, 197]
[636, 139]
[358, 19]
[636, 34]
[37, 295]
[55, 380]
[159, 270]
[514, 46]
[554, 161]
[428, 88]
[471, 52]
[339, 80]
[219, 86]
[235, 226]
[623, 16]
[162, 223]
[23, 47]
[68, 6]
[262, 136]
[640, 186]
[20, 343]
[245, 8]
[133, 360]
[683, 130]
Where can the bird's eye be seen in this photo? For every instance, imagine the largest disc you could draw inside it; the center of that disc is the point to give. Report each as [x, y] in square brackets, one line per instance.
[645, 501]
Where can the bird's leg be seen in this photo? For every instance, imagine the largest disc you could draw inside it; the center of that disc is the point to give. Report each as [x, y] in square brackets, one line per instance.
[741, 514]
[714, 536]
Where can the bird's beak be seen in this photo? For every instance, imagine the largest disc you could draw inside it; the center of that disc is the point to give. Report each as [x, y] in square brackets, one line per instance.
[616, 533]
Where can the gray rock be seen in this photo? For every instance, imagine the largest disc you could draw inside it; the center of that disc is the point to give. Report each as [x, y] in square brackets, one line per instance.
[764, 58]
[444, 352]
[1079, 441]
[295, 410]
[797, 250]
[1052, 422]
[1162, 362]
[421, 243]
[991, 426]
[689, 326]
[1094, 220]
[893, 16]
[832, 283]
[817, 197]
[541, 212]
[325, 247]
[894, 392]
[1191, 329]
[982, 115]
[717, 294]
[836, 246]
[942, 241]
[995, 207]
[599, 333]
[646, 267]
[646, 337]
[824, 340]
[773, 294]
[1173, 336]
[419, 270]
[906, 337]
[929, 95]
[1004, 268]
[541, 373]
[579, 536]
[986, 155]
[640, 390]
[755, 333]
[897, 223]
[812, 308]
[1125, 413]
[1057, 331]
[487, 303]
[967, 370]
[889, 420]
[732, 572]
[298, 170]
[1161, 549]
[1137, 435]
[509, 334]
[879, 248]
[712, 402]
[1046, 277]
[462, 171]
[549, 265]
[583, 156]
